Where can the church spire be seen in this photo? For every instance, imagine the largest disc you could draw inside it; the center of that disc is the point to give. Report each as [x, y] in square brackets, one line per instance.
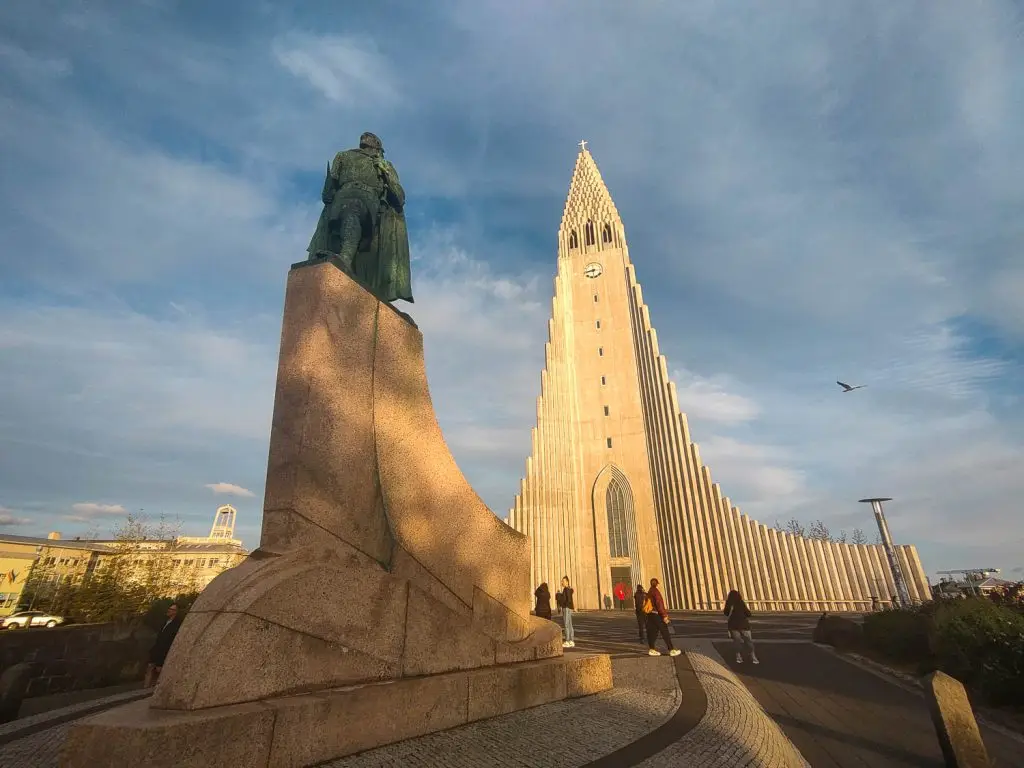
[590, 215]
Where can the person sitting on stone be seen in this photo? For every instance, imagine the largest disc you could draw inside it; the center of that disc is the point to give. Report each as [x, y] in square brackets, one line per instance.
[158, 653]
[543, 595]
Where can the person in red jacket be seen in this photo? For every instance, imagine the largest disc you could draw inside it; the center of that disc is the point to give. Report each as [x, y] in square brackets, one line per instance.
[657, 620]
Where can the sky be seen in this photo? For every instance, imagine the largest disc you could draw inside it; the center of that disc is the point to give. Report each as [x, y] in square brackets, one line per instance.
[810, 191]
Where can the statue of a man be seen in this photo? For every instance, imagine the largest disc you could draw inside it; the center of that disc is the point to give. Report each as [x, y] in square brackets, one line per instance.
[363, 221]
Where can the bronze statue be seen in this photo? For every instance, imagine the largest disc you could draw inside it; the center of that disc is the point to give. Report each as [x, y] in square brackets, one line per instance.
[363, 221]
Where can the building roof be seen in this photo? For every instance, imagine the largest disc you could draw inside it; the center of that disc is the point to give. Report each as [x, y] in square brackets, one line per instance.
[228, 546]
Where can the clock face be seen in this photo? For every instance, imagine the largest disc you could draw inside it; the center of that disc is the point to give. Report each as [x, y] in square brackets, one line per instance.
[593, 270]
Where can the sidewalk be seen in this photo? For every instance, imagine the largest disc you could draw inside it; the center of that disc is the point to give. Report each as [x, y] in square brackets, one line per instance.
[840, 715]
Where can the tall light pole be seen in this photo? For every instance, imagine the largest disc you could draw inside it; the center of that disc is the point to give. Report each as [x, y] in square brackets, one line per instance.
[890, 551]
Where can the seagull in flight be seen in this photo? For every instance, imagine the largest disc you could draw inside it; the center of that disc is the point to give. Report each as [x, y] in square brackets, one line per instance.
[848, 388]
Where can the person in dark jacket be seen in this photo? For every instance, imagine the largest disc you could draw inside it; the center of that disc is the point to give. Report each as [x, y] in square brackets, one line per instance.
[638, 604]
[657, 621]
[543, 595]
[739, 626]
[158, 653]
[567, 608]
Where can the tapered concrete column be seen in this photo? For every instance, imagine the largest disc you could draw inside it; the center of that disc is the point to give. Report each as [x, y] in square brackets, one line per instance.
[718, 558]
[771, 564]
[844, 580]
[792, 560]
[731, 575]
[782, 591]
[703, 541]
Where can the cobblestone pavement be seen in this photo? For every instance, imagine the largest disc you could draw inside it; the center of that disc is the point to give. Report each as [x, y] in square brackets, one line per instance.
[735, 731]
[560, 735]
[40, 750]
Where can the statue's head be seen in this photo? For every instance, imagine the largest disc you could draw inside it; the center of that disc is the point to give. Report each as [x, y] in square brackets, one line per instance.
[371, 141]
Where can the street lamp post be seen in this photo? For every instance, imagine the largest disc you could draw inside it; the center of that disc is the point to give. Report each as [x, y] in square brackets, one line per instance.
[890, 551]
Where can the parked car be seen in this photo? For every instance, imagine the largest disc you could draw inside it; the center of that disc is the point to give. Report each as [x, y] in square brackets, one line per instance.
[23, 619]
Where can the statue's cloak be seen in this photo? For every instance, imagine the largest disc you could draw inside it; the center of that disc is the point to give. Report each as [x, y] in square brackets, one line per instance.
[389, 275]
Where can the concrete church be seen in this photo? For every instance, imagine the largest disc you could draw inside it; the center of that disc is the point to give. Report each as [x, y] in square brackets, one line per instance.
[615, 491]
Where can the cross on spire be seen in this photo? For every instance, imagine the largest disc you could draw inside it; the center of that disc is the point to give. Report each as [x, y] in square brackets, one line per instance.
[583, 145]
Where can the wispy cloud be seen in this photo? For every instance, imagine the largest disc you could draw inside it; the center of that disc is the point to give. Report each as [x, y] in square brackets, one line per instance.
[346, 70]
[8, 518]
[89, 511]
[230, 489]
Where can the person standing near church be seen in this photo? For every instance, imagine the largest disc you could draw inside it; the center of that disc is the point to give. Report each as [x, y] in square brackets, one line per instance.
[739, 626]
[657, 621]
[567, 609]
[638, 605]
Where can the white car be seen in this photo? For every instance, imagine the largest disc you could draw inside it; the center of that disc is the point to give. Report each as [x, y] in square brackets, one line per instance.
[23, 619]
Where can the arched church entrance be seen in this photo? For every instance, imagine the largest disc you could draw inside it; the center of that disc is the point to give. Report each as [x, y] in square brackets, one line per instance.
[618, 557]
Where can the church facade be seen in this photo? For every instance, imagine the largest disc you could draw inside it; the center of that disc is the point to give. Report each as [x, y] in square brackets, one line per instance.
[615, 491]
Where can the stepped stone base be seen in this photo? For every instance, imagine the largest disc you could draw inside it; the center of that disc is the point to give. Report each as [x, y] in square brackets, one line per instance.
[307, 729]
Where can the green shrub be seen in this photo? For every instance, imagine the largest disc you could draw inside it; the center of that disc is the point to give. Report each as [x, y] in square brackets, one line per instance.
[900, 635]
[982, 645]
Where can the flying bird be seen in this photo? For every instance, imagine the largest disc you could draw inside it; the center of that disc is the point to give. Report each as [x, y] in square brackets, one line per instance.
[848, 388]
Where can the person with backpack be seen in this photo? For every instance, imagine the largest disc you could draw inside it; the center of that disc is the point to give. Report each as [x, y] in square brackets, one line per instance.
[567, 608]
[739, 626]
[638, 604]
[657, 621]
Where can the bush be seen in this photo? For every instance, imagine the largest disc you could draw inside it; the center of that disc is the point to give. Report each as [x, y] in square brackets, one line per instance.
[900, 635]
[979, 643]
[982, 645]
[839, 632]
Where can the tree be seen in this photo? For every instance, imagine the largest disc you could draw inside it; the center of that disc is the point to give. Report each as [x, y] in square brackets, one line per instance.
[858, 537]
[841, 538]
[794, 527]
[138, 570]
[820, 531]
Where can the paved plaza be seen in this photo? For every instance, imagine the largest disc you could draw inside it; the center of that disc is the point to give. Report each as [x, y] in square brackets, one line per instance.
[837, 714]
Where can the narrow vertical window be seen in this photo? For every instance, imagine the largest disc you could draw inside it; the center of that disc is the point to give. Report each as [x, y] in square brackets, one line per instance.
[595, 297]
[603, 381]
[609, 442]
[588, 233]
[606, 410]
[600, 351]
[574, 241]
[599, 324]
[606, 234]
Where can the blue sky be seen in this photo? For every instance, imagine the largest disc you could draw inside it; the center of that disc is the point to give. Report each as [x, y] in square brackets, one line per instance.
[810, 192]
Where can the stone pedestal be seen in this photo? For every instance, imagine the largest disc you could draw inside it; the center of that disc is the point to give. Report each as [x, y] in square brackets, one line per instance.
[308, 729]
[377, 561]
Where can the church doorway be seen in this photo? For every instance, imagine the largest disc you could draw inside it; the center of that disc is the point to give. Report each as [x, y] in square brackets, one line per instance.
[622, 588]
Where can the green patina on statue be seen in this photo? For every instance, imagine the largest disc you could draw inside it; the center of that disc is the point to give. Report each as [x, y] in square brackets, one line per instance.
[363, 221]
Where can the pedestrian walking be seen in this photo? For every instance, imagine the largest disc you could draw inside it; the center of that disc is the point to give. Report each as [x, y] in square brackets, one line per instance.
[739, 626]
[638, 604]
[568, 606]
[657, 621]
[543, 607]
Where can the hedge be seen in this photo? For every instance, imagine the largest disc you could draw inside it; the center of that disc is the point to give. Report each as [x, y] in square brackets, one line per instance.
[974, 640]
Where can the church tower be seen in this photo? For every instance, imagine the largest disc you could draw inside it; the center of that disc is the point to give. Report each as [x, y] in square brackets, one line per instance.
[615, 491]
